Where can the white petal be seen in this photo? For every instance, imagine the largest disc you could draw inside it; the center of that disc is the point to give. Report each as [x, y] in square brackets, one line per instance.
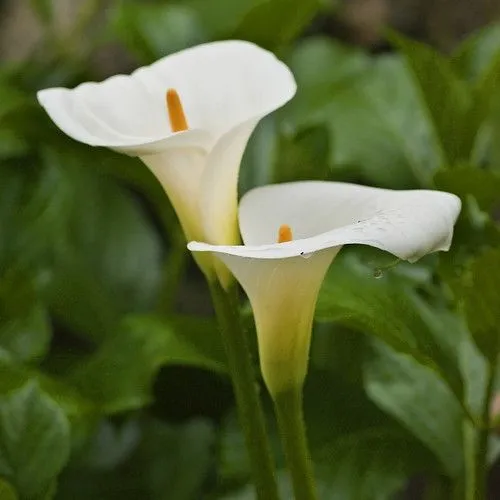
[219, 197]
[218, 202]
[283, 296]
[221, 84]
[179, 171]
[70, 111]
[408, 224]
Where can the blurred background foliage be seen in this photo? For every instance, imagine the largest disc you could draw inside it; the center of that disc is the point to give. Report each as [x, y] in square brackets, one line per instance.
[112, 376]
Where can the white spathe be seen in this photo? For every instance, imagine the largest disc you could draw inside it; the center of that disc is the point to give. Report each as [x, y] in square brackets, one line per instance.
[282, 280]
[225, 89]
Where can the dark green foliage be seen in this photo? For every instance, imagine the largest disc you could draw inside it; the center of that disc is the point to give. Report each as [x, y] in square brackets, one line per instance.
[100, 304]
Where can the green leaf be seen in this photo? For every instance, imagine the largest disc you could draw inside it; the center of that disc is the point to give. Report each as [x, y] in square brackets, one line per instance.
[395, 111]
[31, 209]
[486, 113]
[256, 20]
[34, 441]
[260, 155]
[371, 464]
[322, 68]
[474, 369]
[26, 337]
[153, 31]
[480, 296]
[388, 309]
[179, 474]
[169, 462]
[379, 130]
[477, 53]
[447, 99]
[7, 492]
[120, 374]
[305, 156]
[293, 16]
[108, 257]
[483, 185]
[420, 400]
[14, 376]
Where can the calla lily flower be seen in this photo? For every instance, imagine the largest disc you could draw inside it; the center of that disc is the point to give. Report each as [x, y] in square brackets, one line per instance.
[188, 117]
[291, 234]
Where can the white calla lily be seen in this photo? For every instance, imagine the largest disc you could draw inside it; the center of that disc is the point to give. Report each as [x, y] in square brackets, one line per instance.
[282, 280]
[188, 117]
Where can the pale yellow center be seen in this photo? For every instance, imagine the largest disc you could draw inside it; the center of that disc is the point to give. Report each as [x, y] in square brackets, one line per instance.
[176, 115]
[285, 233]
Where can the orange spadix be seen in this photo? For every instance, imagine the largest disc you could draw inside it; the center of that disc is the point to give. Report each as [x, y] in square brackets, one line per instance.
[176, 115]
[285, 233]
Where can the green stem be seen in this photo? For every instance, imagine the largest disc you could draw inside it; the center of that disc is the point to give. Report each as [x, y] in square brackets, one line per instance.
[478, 458]
[245, 387]
[290, 417]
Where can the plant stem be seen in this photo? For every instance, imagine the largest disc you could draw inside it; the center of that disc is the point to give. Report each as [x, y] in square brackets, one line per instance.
[245, 387]
[290, 418]
[476, 487]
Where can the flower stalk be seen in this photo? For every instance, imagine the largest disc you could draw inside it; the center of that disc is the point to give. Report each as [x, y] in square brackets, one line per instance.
[248, 402]
[476, 487]
[289, 413]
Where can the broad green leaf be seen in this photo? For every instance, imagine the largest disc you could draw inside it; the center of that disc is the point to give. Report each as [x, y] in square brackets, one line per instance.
[393, 101]
[475, 228]
[446, 98]
[120, 374]
[483, 185]
[371, 464]
[7, 492]
[25, 337]
[169, 462]
[108, 257]
[304, 156]
[474, 369]
[388, 309]
[179, 459]
[478, 52]
[260, 155]
[420, 400]
[323, 68]
[111, 444]
[259, 24]
[222, 17]
[31, 212]
[14, 376]
[78, 300]
[155, 30]
[379, 130]
[34, 440]
[256, 20]
[480, 297]
[487, 114]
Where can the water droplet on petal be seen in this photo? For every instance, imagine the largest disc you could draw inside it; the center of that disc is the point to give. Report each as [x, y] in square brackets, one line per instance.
[305, 255]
